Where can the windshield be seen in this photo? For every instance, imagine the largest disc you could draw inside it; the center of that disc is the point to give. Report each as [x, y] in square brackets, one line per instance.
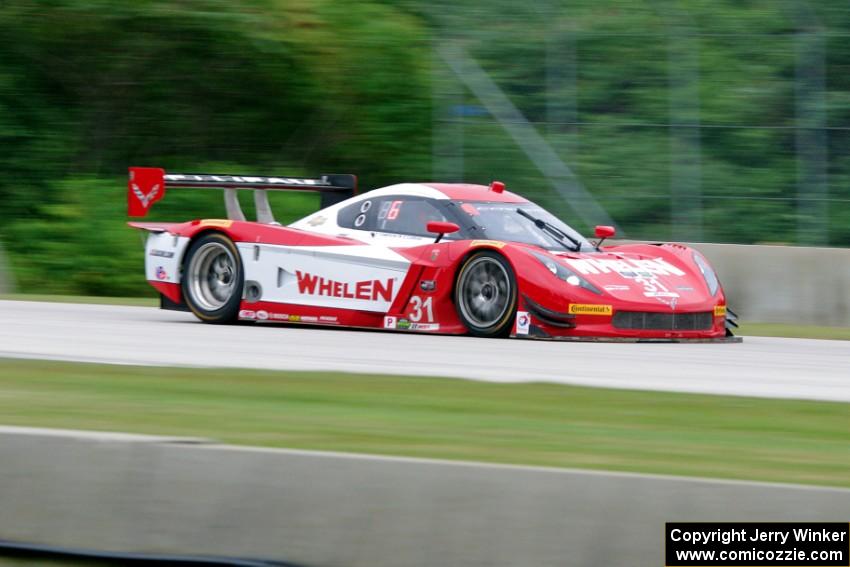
[501, 221]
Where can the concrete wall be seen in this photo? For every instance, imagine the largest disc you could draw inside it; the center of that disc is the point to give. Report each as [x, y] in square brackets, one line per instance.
[784, 284]
[779, 284]
[135, 493]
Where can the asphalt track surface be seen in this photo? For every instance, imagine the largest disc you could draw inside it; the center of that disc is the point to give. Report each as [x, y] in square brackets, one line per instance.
[760, 366]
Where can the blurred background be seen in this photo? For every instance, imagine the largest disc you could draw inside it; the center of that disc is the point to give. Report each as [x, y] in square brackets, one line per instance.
[690, 120]
[721, 121]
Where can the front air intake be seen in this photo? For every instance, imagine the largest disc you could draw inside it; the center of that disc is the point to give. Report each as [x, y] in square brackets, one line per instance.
[663, 321]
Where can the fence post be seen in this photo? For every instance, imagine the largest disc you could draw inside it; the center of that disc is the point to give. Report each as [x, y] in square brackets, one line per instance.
[7, 281]
[685, 155]
[447, 96]
[810, 133]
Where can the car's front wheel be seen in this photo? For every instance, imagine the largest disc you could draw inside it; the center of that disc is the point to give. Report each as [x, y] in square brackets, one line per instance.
[213, 279]
[486, 294]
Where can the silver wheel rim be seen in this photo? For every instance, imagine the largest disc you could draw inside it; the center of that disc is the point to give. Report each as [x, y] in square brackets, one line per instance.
[212, 276]
[485, 292]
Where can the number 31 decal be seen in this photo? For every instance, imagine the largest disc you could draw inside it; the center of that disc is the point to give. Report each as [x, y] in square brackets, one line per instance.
[419, 308]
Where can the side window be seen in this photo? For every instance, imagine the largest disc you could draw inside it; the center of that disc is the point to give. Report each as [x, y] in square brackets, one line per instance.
[359, 216]
[406, 215]
[395, 214]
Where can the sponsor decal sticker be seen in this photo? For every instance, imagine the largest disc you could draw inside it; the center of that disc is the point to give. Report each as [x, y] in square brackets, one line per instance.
[408, 325]
[654, 288]
[523, 322]
[657, 293]
[644, 272]
[244, 179]
[493, 243]
[434, 255]
[588, 309]
[162, 253]
[317, 221]
[161, 274]
[627, 268]
[298, 318]
[720, 311]
[616, 288]
[263, 315]
[247, 314]
[427, 285]
[220, 223]
[366, 290]
[684, 288]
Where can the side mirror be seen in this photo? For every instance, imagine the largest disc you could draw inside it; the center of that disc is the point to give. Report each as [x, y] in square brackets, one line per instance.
[441, 228]
[603, 231]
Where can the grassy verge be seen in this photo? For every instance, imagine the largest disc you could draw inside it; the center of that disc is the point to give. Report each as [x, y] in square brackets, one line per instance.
[85, 299]
[798, 331]
[537, 424]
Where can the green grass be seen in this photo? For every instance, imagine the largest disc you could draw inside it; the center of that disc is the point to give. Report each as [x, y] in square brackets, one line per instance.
[798, 331]
[536, 424]
[85, 299]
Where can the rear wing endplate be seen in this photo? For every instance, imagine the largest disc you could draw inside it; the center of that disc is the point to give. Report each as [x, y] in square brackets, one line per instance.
[147, 185]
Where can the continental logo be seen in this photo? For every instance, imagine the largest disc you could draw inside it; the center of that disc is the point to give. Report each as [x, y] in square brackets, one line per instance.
[493, 243]
[720, 311]
[367, 290]
[587, 309]
[220, 223]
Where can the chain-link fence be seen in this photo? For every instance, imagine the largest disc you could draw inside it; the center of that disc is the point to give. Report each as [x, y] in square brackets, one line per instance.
[725, 126]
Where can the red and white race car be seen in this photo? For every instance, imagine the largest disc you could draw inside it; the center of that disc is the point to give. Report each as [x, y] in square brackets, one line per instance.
[424, 257]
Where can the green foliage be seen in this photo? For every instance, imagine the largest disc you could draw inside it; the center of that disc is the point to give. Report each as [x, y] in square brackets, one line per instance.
[89, 87]
[529, 424]
[596, 79]
[304, 87]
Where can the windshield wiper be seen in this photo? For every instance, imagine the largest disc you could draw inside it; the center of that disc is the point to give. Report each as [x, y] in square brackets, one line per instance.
[558, 234]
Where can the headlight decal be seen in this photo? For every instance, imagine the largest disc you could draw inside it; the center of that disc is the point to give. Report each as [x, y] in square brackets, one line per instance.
[707, 273]
[562, 272]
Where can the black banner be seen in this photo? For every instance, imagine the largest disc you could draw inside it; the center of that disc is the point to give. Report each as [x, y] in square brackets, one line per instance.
[757, 544]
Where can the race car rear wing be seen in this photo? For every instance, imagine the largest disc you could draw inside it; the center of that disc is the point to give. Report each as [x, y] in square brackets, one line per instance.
[147, 185]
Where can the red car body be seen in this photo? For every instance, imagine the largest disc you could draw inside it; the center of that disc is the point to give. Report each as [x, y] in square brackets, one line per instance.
[346, 266]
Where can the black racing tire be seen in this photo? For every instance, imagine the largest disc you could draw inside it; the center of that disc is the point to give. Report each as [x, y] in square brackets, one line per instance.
[486, 294]
[213, 279]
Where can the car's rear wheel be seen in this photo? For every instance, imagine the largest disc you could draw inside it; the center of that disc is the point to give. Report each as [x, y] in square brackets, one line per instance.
[486, 294]
[213, 279]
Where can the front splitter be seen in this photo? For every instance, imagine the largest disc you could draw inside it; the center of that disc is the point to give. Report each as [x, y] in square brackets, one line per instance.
[730, 339]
